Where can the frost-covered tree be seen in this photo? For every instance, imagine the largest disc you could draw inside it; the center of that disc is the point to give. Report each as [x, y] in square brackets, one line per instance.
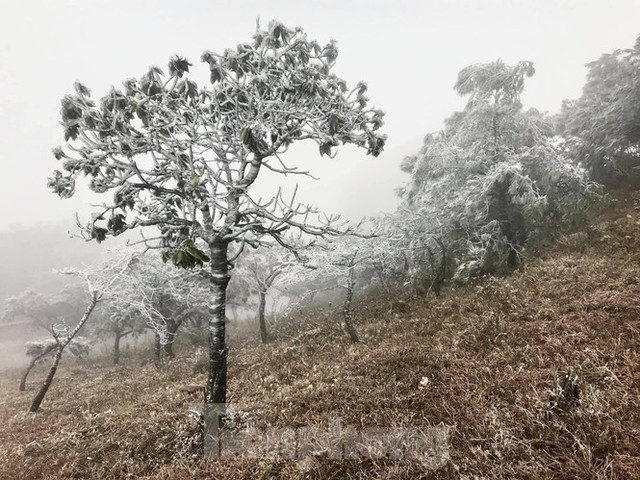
[182, 158]
[265, 269]
[159, 296]
[493, 176]
[46, 312]
[118, 320]
[39, 351]
[341, 264]
[64, 325]
[404, 254]
[604, 123]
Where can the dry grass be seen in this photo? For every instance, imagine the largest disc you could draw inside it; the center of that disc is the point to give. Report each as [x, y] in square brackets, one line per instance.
[493, 354]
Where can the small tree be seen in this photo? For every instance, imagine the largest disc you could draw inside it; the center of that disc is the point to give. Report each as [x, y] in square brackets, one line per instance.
[342, 262]
[265, 268]
[166, 298]
[45, 311]
[156, 296]
[97, 287]
[118, 320]
[40, 350]
[182, 158]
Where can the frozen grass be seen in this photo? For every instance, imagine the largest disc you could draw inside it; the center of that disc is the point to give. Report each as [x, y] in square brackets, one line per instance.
[493, 354]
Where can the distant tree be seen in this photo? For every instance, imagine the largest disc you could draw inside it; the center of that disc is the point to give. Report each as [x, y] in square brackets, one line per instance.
[604, 123]
[39, 351]
[161, 297]
[42, 310]
[182, 158]
[265, 268]
[239, 296]
[56, 320]
[119, 321]
[492, 177]
[341, 263]
[45, 311]
[402, 252]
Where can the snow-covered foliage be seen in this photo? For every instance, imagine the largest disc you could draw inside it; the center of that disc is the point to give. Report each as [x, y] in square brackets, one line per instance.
[182, 157]
[79, 346]
[160, 296]
[493, 177]
[603, 125]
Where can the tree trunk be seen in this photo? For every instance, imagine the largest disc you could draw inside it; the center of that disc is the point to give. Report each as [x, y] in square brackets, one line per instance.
[216, 390]
[262, 296]
[346, 308]
[116, 345]
[379, 270]
[116, 349]
[157, 350]
[442, 271]
[167, 349]
[35, 406]
[172, 331]
[23, 380]
[439, 270]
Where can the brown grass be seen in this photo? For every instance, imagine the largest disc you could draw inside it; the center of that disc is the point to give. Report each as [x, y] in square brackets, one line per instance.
[493, 353]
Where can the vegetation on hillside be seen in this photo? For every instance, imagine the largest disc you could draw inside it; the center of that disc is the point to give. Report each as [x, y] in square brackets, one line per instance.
[500, 301]
[493, 352]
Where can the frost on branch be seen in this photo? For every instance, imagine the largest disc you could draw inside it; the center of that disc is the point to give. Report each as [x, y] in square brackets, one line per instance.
[494, 178]
[182, 157]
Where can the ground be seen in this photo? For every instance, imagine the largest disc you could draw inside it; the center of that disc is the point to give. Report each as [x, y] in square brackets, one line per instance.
[486, 360]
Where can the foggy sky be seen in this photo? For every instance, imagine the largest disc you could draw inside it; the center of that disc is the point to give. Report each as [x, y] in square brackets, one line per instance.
[409, 52]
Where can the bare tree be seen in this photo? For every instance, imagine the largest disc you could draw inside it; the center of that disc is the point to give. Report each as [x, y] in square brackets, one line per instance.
[97, 287]
[40, 350]
[163, 297]
[183, 158]
[266, 268]
[44, 311]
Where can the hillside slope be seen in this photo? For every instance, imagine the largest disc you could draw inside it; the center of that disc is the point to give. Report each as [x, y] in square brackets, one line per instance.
[484, 359]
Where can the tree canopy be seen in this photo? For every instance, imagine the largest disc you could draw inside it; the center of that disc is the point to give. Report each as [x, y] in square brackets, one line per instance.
[182, 157]
[492, 177]
[605, 120]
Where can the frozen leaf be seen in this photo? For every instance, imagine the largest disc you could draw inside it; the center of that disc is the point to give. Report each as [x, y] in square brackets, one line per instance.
[178, 66]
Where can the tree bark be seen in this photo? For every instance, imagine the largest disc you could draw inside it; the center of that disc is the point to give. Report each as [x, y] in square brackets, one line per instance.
[172, 331]
[346, 308]
[262, 297]
[116, 349]
[35, 406]
[216, 389]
